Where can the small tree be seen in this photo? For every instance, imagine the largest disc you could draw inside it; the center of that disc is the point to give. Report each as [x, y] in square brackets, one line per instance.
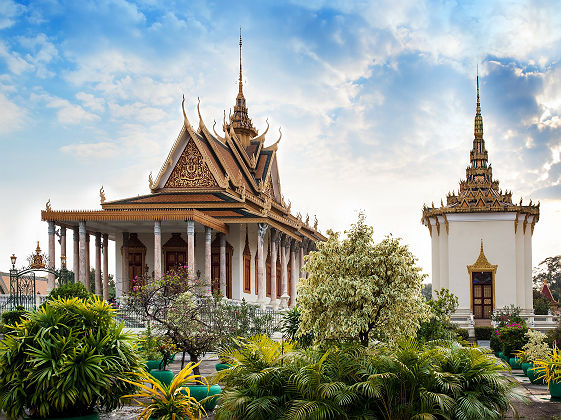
[438, 324]
[180, 307]
[360, 290]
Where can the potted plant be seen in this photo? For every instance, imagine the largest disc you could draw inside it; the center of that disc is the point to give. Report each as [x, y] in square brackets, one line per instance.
[76, 351]
[550, 370]
[148, 344]
[171, 401]
[512, 337]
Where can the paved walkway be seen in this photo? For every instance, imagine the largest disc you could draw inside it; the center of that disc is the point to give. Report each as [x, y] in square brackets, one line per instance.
[540, 405]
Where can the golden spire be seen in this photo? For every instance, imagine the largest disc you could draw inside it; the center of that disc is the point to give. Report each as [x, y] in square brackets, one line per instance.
[240, 92]
[478, 126]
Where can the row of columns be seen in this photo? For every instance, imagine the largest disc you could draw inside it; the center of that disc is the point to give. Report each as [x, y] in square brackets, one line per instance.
[288, 248]
[81, 258]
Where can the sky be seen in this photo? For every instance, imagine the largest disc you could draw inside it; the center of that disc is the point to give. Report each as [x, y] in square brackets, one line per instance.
[376, 100]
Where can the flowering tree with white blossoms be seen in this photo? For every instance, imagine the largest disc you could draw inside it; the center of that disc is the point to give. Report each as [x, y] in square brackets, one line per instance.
[361, 290]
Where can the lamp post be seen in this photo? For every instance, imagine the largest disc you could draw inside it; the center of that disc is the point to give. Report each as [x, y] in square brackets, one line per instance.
[14, 286]
[13, 258]
[63, 274]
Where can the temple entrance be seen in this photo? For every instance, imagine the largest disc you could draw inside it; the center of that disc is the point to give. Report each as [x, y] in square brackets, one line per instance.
[482, 284]
[175, 252]
[215, 267]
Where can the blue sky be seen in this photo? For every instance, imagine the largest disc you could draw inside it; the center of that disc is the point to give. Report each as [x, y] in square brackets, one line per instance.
[376, 102]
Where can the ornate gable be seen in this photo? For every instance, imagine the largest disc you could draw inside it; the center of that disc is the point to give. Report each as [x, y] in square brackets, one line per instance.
[191, 171]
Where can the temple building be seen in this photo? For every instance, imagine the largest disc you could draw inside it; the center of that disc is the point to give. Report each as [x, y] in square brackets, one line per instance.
[482, 241]
[216, 206]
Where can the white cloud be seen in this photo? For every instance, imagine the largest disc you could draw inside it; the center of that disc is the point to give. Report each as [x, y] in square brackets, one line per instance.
[9, 11]
[67, 112]
[15, 62]
[12, 116]
[136, 111]
[101, 150]
[90, 101]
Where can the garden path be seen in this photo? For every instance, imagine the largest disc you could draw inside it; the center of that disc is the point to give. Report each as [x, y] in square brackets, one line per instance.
[540, 406]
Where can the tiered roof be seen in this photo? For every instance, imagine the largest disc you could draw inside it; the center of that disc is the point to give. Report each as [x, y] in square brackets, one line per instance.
[211, 179]
[479, 192]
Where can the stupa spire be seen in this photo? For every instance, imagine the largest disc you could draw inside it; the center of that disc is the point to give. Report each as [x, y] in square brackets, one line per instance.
[239, 120]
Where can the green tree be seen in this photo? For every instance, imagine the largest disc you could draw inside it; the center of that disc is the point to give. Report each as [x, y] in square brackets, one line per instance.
[549, 270]
[438, 325]
[541, 304]
[427, 291]
[359, 289]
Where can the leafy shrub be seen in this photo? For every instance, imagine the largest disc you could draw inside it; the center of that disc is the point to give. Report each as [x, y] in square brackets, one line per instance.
[554, 336]
[403, 382]
[483, 332]
[508, 315]
[550, 367]
[463, 333]
[512, 336]
[11, 318]
[494, 342]
[438, 325]
[69, 291]
[66, 359]
[148, 344]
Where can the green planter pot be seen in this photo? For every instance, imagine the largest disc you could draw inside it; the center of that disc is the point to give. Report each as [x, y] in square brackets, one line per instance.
[501, 355]
[153, 364]
[222, 366]
[533, 376]
[514, 363]
[164, 376]
[555, 391]
[200, 392]
[93, 416]
[525, 366]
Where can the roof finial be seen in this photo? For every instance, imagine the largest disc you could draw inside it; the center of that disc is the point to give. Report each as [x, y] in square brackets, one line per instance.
[478, 126]
[240, 61]
[478, 106]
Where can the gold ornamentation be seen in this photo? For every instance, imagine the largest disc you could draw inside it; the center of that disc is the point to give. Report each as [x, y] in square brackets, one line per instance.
[37, 261]
[315, 222]
[191, 170]
[102, 195]
[49, 208]
[150, 181]
[481, 264]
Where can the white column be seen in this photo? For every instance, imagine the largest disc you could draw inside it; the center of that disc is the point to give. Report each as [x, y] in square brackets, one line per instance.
[105, 266]
[520, 274]
[208, 256]
[82, 257]
[293, 272]
[443, 249]
[51, 276]
[223, 264]
[88, 266]
[262, 292]
[125, 264]
[157, 250]
[76, 255]
[63, 242]
[435, 251]
[191, 249]
[98, 290]
[301, 263]
[274, 247]
[284, 271]
[528, 264]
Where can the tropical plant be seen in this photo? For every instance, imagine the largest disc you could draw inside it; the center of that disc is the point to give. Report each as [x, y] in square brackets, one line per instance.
[162, 402]
[554, 336]
[405, 381]
[494, 342]
[513, 337]
[289, 327]
[68, 357]
[536, 348]
[148, 344]
[359, 290]
[549, 368]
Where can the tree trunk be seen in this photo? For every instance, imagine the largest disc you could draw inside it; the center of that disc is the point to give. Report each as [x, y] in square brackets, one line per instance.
[363, 337]
[183, 360]
[195, 358]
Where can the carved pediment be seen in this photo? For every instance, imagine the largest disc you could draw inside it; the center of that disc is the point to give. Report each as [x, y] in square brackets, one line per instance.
[191, 170]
